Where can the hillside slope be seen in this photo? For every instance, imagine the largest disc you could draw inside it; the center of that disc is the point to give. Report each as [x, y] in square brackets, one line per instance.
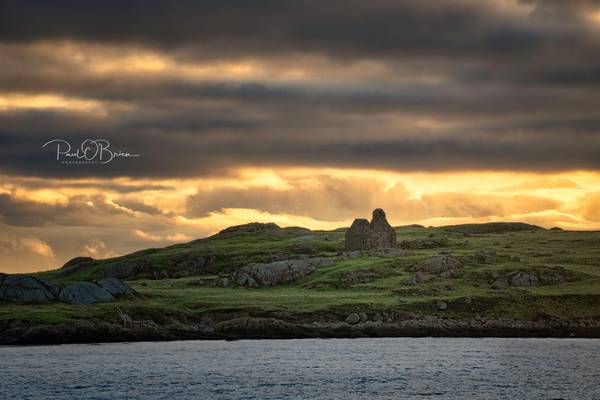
[441, 282]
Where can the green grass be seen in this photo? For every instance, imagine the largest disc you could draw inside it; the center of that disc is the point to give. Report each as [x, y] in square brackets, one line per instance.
[365, 283]
[225, 254]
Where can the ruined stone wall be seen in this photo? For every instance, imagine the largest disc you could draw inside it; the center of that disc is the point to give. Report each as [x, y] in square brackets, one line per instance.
[382, 233]
[377, 234]
[358, 235]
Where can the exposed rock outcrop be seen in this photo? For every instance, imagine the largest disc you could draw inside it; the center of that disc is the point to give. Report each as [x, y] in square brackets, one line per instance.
[84, 293]
[27, 290]
[378, 234]
[115, 287]
[438, 264]
[441, 265]
[277, 272]
[531, 278]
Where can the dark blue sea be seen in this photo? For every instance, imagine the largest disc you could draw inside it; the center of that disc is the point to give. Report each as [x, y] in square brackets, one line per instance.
[403, 368]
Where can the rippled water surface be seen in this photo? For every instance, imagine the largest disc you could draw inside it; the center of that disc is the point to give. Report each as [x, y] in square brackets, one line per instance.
[400, 368]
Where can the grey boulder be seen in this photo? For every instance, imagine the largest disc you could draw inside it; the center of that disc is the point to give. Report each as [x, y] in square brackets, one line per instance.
[27, 289]
[438, 264]
[84, 293]
[524, 279]
[530, 278]
[115, 286]
[353, 319]
[277, 272]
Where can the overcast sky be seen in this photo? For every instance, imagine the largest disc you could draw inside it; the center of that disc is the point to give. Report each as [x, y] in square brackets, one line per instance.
[299, 112]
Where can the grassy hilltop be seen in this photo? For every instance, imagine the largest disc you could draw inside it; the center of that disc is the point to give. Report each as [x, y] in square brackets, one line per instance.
[176, 283]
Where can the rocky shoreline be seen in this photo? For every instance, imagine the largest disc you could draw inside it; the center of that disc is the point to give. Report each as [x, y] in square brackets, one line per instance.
[248, 327]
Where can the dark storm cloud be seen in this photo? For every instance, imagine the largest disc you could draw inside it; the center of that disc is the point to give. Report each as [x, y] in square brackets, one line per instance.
[339, 28]
[19, 212]
[170, 149]
[512, 88]
[22, 213]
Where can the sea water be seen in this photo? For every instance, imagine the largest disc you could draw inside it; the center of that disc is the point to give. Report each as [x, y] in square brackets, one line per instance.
[395, 368]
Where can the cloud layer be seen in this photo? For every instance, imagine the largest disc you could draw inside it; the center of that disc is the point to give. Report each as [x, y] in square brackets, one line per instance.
[399, 85]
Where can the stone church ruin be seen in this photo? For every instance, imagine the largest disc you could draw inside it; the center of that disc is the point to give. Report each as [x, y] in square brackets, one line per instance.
[365, 235]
